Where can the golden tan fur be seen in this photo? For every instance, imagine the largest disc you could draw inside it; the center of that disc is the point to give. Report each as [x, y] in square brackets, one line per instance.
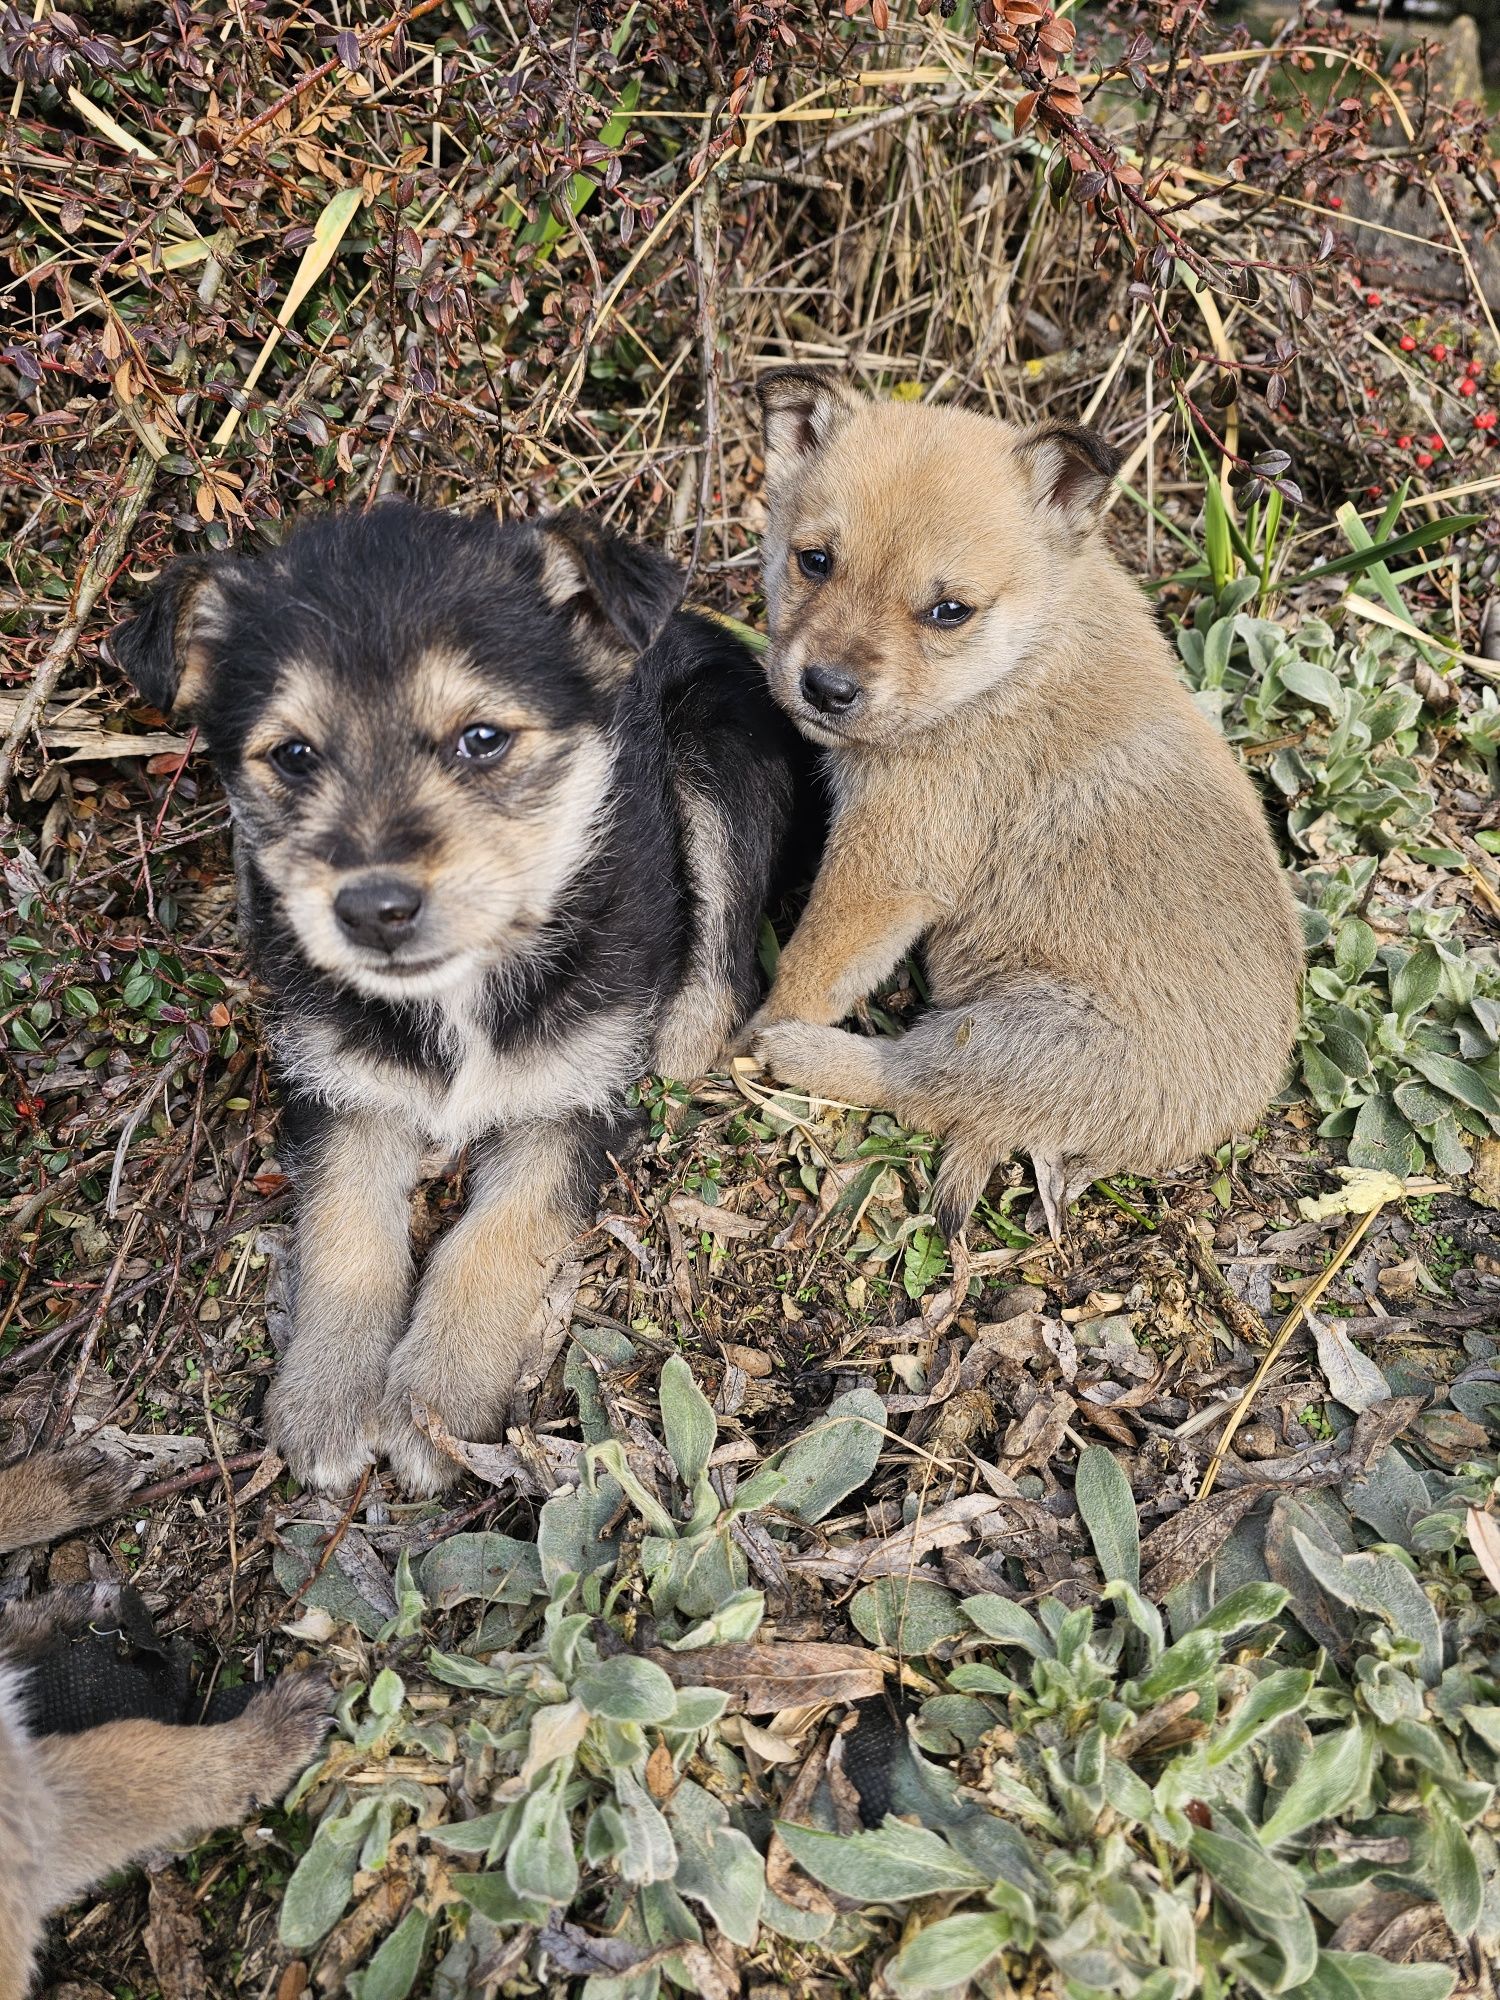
[1111, 946]
[75, 1808]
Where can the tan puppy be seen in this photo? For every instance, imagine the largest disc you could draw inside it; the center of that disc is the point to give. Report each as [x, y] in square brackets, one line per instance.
[75, 1808]
[1022, 783]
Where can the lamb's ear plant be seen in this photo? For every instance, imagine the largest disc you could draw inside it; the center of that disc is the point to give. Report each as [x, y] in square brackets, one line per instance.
[1141, 1796]
[574, 1752]
[1399, 1041]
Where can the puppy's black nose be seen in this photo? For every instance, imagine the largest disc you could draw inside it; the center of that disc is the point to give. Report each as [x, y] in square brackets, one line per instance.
[830, 689]
[380, 911]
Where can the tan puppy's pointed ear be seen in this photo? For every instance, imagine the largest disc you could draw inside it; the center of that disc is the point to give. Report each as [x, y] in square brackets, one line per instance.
[1070, 468]
[802, 409]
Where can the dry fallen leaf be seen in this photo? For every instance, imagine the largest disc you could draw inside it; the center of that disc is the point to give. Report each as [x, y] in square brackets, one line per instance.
[765, 1677]
[720, 1222]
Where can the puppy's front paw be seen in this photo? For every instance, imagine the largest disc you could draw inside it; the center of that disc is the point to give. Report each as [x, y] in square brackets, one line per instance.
[417, 1466]
[466, 1385]
[283, 1727]
[324, 1427]
[98, 1483]
[743, 1043]
[798, 1053]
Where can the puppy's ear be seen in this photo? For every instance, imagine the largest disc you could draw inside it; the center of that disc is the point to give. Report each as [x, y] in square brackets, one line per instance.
[167, 646]
[1069, 467]
[802, 408]
[621, 591]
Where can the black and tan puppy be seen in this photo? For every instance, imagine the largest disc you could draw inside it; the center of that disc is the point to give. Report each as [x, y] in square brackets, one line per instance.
[1023, 786]
[506, 820]
[74, 1807]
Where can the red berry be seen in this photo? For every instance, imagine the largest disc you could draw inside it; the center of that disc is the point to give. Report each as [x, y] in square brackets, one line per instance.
[1485, 421]
[1436, 442]
[1467, 386]
[1335, 201]
[1439, 352]
[1403, 444]
[1475, 368]
[1408, 343]
[1374, 491]
[1372, 298]
[1424, 459]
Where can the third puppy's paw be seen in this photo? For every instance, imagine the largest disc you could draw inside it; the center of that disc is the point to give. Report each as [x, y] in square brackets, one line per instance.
[99, 1483]
[283, 1728]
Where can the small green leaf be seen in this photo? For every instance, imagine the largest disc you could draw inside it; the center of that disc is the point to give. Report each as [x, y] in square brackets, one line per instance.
[1459, 1079]
[323, 1880]
[894, 1864]
[1313, 683]
[1364, 1976]
[496, 1569]
[1104, 1500]
[626, 1689]
[1380, 1585]
[1452, 1868]
[649, 1853]
[1335, 1772]
[905, 1614]
[1415, 983]
[392, 1972]
[688, 1421]
[717, 1865]
[1188, 1663]
[949, 1952]
[540, 1862]
[1354, 949]
[1383, 1141]
[1267, 1894]
[1008, 1623]
[1279, 1694]
[833, 1458]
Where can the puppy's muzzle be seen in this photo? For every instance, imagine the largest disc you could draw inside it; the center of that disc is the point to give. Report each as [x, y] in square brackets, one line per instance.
[379, 912]
[830, 690]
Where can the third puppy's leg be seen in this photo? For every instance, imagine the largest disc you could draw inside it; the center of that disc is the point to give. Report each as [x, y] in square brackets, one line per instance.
[57, 1492]
[353, 1283]
[125, 1788]
[472, 1331]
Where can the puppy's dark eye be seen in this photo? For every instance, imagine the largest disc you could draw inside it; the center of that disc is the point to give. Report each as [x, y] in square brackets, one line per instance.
[816, 563]
[294, 758]
[482, 743]
[949, 612]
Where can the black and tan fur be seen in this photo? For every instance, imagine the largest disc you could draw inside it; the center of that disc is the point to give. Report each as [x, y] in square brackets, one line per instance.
[558, 919]
[1024, 787]
[74, 1808]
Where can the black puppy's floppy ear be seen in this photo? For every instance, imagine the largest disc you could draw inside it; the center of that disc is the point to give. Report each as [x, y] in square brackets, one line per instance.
[802, 408]
[1070, 467]
[166, 647]
[624, 591]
